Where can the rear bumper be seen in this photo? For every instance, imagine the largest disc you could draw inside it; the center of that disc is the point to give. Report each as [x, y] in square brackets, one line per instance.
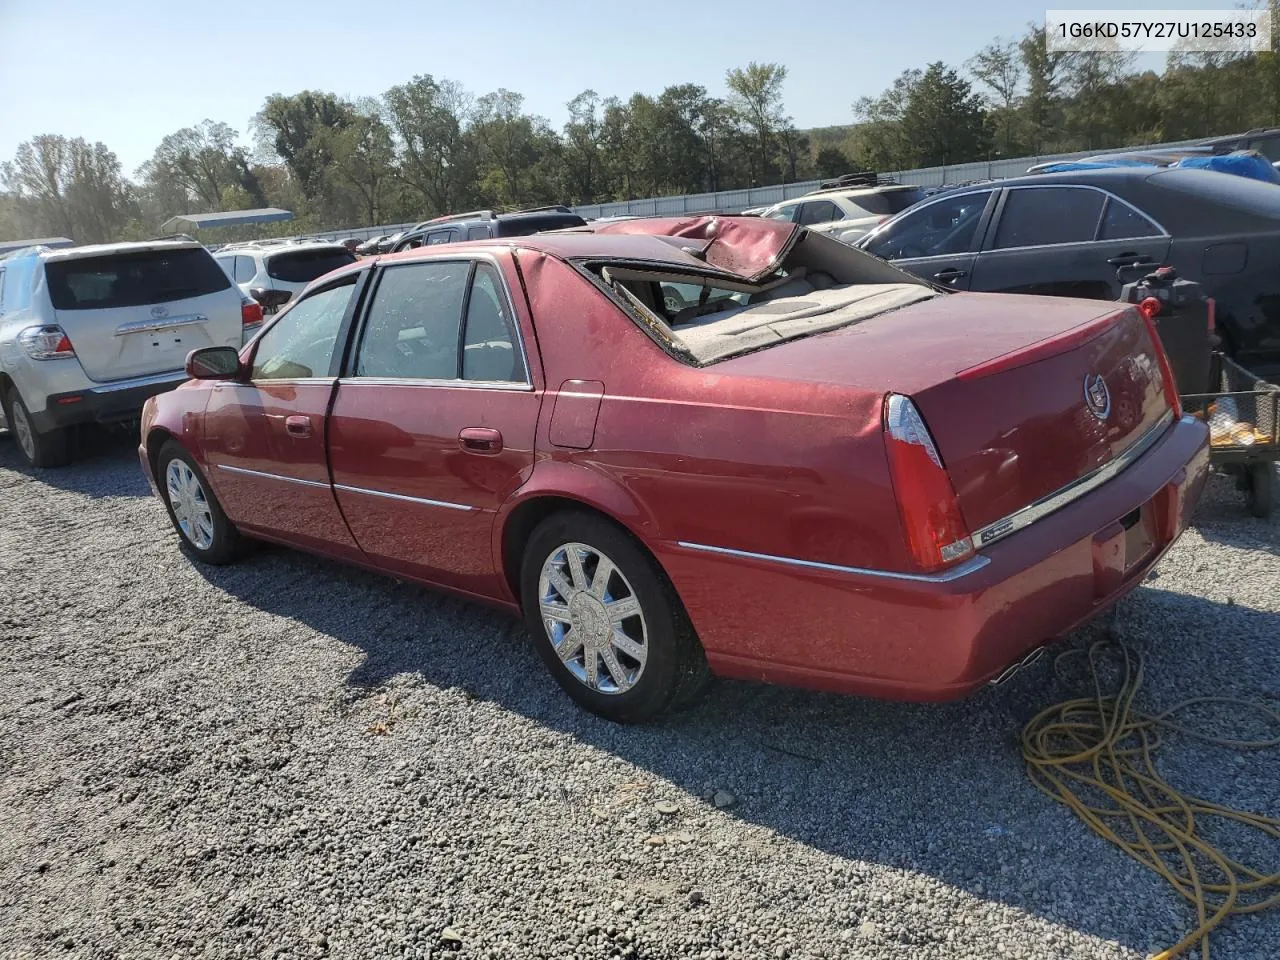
[943, 637]
[104, 403]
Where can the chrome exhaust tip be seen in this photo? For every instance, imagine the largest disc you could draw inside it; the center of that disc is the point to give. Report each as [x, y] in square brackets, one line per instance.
[1013, 668]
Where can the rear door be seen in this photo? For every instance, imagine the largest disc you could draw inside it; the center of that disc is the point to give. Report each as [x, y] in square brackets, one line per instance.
[264, 438]
[135, 313]
[1066, 241]
[938, 240]
[433, 425]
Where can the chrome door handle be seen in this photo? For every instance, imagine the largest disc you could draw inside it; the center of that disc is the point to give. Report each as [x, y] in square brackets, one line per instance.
[950, 274]
[297, 426]
[482, 440]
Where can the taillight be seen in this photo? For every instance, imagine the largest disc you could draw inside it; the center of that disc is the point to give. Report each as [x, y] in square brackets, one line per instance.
[46, 343]
[1166, 371]
[936, 532]
[1212, 307]
[250, 313]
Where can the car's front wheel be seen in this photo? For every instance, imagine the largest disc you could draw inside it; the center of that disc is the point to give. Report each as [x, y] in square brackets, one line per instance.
[40, 448]
[196, 514]
[606, 621]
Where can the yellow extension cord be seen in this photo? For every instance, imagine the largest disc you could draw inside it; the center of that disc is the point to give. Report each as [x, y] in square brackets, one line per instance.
[1103, 746]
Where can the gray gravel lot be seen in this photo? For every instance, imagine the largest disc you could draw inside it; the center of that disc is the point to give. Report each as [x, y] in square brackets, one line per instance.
[290, 758]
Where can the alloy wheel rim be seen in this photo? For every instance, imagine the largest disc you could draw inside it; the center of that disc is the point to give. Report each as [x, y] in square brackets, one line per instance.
[22, 430]
[593, 618]
[189, 504]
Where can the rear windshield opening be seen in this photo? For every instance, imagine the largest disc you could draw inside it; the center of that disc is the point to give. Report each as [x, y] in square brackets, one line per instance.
[133, 279]
[890, 202]
[303, 266]
[710, 319]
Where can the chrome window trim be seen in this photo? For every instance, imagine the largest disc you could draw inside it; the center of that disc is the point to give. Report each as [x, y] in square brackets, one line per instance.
[970, 566]
[265, 380]
[272, 476]
[1021, 519]
[512, 386]
[471, 258]
[1106, 194]
[989, 188]
[399, 496]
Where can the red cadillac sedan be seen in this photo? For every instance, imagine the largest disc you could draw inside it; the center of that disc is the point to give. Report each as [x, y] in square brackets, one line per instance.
[692, 447]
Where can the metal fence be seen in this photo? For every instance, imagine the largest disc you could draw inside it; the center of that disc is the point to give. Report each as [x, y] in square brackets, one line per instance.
[727, 201]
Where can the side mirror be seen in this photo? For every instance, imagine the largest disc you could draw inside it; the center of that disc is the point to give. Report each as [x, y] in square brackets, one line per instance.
[213, 363]
[271, 300]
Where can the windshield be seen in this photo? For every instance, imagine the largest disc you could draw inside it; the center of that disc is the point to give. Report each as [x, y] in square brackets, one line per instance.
[303, 266]
[132, 279]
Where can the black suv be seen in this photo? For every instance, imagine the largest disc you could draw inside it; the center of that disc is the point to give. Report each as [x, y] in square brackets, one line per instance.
[485, 224]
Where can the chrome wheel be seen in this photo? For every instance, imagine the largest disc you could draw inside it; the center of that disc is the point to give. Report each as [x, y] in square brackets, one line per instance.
[189, 504]
[593, 618]
[22, 430]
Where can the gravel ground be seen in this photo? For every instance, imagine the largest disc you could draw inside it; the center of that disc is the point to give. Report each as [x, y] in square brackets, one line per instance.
[287, 758]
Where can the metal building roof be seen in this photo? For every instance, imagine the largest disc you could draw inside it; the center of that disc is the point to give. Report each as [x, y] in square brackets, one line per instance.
[232, 218]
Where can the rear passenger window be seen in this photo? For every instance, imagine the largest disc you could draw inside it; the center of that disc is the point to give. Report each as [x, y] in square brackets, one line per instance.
[412, 327]
[490, 350]
[1122, 222]
[442, 236]
[1038, 216]
[245, 269]
[478, 233]
[819, 211]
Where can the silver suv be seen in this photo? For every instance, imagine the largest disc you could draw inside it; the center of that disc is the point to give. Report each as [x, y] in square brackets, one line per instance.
[87, 334]
[275, 271]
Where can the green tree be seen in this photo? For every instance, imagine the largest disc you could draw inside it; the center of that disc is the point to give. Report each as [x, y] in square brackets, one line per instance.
[998, 67]
[297, 129]
[69, 187]
[755, 95]
[1042, 106]
[879, 141]
[944, 121]
[431, 121]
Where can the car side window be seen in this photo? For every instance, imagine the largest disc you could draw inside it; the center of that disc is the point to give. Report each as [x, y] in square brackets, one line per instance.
[819, 211]
[228, 265]
[490, 350]
[787, 213]
[943, 228]
[300, 344]
[411, 330]
[1, 291]
[1123, 222]
[1041, 216]
[440, 236]
[478, 233]
[245, 269]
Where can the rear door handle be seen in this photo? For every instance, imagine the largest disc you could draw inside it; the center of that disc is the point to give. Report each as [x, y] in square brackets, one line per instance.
[1125, 259]
[482, 440]
[951, 273]
[297, 426]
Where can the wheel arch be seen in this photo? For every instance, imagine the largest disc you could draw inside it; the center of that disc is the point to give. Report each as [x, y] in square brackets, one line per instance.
[157, 437]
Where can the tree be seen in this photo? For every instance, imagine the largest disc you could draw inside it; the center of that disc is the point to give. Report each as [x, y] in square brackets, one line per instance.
[431, 122]
[296, 130]
[513, 148]
[832, 162]
[998, 67]
[943, 121]
[878, 142]
[201, 161]
[583, 136]
[363, 160]
[68, 187]
[755, 95]
[1041, 108]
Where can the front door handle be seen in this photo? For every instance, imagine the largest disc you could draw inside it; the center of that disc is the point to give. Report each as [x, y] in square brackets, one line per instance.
[482, 440]
[297, 426]
[1128, 259]
[949, 274]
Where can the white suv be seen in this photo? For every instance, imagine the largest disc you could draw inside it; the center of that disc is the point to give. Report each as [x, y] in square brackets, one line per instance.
[87, 334]
[847, 208]
[274, 271]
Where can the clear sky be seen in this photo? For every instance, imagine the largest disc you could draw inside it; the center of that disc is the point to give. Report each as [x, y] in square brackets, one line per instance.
[127, 72]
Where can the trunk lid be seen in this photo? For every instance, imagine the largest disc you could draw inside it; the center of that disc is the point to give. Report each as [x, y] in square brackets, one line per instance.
[140, 311]
[746, 247]
[1001, 382]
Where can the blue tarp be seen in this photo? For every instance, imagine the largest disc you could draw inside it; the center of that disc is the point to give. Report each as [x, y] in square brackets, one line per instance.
[1068, 165]
[1250, 165]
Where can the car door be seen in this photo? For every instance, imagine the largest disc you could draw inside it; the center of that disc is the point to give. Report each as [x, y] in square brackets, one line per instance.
[938, 240]
[264, 437]
[1066, 241]
[433, 424]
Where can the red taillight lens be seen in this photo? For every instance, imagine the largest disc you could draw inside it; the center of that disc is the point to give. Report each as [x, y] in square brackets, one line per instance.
[250, 313]
[936, 532]
[1166, 371]
[1212, 306]
[46, 343]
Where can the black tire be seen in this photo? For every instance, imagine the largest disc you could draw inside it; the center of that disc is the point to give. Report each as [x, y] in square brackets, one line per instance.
[1260, 495]
[674, 672]
[49, 448]
[227, 544]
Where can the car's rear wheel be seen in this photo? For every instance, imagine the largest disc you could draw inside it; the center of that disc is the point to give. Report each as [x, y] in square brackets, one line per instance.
[606, 621]
[195, 512]
[1260, 490]
[40, 448]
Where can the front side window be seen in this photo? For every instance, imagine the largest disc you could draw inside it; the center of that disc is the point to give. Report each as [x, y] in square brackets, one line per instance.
[411, 329]
[787, 213]
[1040, 216]
[944, 228]
[440, 236]
[301, 343]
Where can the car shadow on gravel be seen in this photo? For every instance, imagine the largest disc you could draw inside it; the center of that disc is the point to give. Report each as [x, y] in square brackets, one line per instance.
[933, 789]
[1223, 517]
[105, 464]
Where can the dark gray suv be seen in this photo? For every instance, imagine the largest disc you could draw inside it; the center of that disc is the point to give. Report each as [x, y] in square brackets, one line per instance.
[485, 224]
